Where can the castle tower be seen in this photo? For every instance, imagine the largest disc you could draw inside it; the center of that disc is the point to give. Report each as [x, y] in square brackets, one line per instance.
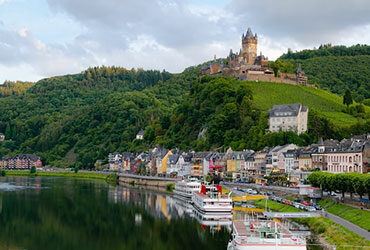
[249, 47]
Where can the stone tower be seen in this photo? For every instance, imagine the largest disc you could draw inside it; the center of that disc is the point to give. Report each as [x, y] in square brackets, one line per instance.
[249, 47]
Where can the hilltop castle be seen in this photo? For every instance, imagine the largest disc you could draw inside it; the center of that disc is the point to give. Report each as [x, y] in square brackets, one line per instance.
[246, 65]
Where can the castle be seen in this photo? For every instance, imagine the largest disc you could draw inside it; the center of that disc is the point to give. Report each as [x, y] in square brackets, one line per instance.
[246, 65]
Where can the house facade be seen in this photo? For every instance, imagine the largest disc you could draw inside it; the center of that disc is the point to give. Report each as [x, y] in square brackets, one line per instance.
[288, 117]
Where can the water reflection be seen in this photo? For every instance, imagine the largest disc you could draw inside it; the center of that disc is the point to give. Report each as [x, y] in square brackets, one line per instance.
[59, 213]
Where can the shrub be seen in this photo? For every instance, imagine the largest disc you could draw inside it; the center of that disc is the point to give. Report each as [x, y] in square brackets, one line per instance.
[170, 187]
[33, 170]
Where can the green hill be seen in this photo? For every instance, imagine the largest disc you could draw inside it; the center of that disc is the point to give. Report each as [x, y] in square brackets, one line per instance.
[336, 68]
[225, 112]
[327, 104]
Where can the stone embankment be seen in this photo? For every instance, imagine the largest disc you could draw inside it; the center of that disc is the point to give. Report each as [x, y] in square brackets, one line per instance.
[146, 180]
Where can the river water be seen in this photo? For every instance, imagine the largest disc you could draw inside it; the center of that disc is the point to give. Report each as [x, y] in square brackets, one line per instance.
[60, 213]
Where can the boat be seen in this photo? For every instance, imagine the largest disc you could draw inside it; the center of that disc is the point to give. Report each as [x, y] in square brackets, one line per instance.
[264, 234]
[185, 189]
[211, 202]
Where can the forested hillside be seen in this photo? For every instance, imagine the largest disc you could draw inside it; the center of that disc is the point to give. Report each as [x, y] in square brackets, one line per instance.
[225, 112]
[85, 116]
[77, 119]
[336, 68]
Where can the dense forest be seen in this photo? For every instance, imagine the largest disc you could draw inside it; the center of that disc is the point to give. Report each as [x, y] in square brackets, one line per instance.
[74, 120]
[336, 68]
[85, 116]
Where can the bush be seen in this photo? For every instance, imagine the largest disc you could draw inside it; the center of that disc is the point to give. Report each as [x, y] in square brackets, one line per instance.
[170, 187]
[76, 170]
[2, 172]
[33, 170]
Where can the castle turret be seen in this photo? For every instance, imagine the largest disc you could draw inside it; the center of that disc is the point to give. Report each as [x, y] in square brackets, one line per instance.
[249, 47]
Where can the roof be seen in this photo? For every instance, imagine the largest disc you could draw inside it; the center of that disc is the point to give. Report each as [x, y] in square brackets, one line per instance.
[286, 109]
[173, 158]
[141, 132]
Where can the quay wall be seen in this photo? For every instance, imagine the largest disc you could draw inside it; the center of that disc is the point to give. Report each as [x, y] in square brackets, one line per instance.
[146, 180]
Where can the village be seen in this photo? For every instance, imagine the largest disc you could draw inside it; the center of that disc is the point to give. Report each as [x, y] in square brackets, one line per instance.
[291, 162]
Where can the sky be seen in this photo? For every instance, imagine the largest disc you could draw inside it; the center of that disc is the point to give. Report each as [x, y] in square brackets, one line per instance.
[43, 38]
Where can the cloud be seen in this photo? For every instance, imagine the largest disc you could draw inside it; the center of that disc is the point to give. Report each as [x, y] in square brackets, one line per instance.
[306, 22]
[174, 34]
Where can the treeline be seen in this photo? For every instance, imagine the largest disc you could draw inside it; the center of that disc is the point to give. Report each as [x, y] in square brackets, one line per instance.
[328, 50]
[9, 88]
[343, 182]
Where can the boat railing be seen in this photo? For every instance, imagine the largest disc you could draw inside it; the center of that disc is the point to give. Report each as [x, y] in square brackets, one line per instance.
[255, 239]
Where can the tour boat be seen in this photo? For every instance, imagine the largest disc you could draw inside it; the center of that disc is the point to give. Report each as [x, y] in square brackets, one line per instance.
[210, 201]
[264, 234]
[185, 189]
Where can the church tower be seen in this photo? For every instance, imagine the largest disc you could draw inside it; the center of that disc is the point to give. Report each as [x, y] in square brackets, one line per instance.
[249, 47]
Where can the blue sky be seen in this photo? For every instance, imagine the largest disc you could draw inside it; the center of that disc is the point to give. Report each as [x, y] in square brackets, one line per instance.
[43, 38]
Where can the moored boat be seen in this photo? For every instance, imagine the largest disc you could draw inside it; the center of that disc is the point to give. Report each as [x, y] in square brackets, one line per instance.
[211, 200]
[264, 234]
[185, 189]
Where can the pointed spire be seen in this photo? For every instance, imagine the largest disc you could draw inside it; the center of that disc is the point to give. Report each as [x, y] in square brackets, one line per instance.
[249, 33]
[321, 142]
[299, 68]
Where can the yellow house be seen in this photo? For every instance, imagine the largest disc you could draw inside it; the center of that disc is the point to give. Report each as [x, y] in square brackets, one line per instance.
[231, 165]
[304, 162]
[162, 168]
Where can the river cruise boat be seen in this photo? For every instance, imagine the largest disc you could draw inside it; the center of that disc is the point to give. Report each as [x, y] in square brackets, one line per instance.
[185, 189]
[264, 234]
[211, 201]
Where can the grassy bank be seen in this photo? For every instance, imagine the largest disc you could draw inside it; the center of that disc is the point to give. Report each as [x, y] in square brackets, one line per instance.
[325, 228]
[357, 216]
[81, 175]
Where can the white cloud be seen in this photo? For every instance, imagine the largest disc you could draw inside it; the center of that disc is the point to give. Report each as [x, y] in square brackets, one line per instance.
[174, 34]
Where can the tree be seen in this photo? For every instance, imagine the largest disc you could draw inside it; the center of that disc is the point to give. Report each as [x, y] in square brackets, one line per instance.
[347, 98]
[33, 170]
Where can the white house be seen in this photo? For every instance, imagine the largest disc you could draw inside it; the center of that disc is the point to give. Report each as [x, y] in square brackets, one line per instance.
[140, 135]
[288, 117]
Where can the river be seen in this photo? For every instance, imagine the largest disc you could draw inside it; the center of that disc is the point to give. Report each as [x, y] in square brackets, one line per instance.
[64, 213]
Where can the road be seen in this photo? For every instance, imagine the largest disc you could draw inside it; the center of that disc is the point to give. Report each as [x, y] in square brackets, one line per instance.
[350, 226]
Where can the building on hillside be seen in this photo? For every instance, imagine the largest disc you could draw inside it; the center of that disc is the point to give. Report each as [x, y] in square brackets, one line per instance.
[319, 153]
[197, 164]
[304, 161]
[2, 137]
[288, 117]
[162, 162]
[346, 159]
[173, 166]
[276, 151]
[247, 65]
[115, 161]
[140, 135]
[22, 161]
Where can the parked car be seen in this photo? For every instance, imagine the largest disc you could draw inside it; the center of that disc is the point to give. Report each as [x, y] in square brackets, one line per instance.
[288, 202]
[306, 203]
[317, 207]
[301, 206]
[311, 209]
[269, 193]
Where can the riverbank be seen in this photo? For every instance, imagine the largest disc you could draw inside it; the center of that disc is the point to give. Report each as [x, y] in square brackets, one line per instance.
[356, 216]
[324, 228]
[81, 175]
